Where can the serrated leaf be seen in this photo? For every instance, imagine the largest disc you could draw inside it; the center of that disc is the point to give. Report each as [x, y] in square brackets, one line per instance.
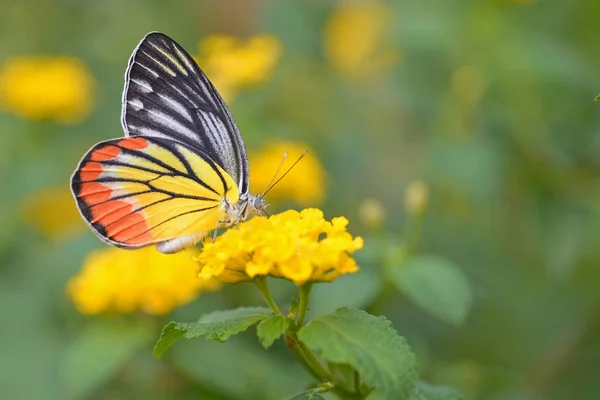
[103, 347]
[436, 285]
[370, 345]
[312, 394]
[271, 328]
[219, 326]
[426, 391]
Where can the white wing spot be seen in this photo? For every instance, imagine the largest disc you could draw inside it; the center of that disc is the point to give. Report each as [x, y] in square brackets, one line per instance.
[165, 119]
[176, 106]
[146, 130]
[222, 132]
[154, 73]
[144, 86]
[136, 104]
[211, 130]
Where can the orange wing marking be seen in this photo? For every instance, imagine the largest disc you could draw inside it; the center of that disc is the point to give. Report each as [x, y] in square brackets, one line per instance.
[136, 143]
[106, 153]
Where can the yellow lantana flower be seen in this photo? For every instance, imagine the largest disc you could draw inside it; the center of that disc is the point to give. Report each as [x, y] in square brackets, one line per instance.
[232, 63]
[46, 87]
[53, 213]
[305, 184]
[128, 280]
[298, 246]
[356, 38]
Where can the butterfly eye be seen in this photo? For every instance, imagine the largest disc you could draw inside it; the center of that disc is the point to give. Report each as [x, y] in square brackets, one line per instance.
[258, 203]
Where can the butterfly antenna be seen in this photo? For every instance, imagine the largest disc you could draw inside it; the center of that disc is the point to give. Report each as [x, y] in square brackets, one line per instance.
[275, 175]
[285, 173]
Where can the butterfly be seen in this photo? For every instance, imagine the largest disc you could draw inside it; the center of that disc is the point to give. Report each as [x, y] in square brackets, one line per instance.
[180, 172]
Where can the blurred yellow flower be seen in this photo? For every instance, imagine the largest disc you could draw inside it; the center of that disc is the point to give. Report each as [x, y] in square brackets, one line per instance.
[298, 246]
[305, 184]
[46, 87]
[128, 280]
[232, 63]
[356, 38]
[53, 213]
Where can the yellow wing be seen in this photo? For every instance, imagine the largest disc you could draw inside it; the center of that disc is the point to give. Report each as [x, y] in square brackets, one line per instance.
[137, 191]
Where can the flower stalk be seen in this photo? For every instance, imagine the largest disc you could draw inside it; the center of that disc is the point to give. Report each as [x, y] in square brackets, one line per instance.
[304, 292]
[263, 287]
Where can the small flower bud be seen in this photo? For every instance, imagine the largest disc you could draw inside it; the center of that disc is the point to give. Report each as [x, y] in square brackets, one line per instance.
[371, 213]
[416, 197]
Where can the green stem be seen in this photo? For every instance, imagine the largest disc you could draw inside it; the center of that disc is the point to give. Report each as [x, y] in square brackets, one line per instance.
[304, 292]
[356, 378]
[294, 345]
[412, 232]
[302, 353]
[315, 363]
[310, 362]
[261, 284]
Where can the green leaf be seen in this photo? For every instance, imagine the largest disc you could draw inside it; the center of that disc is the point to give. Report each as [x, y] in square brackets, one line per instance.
[271, 328]
[597, 98]
[219, 325]
[426, 391]
[436, 285]
[169, 335]
[99, 352]
[312, 394]
[370, 345]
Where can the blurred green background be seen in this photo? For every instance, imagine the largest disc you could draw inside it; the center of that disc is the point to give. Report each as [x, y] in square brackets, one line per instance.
[490, 103]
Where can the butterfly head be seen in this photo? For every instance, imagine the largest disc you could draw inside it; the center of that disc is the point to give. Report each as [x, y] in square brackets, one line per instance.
[256, 205]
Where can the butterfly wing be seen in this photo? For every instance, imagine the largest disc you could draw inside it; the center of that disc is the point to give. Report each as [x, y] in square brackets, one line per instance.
[134, 192]
[167, 95]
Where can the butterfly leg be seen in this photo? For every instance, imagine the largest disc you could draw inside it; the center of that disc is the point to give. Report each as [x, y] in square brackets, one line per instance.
[216, 231]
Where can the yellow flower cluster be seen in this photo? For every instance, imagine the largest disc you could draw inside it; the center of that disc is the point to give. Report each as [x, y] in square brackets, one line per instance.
[46, 87]
[298, 246]
[53, 213]
[231, 63]
[305, 184]
[356, 38]
[125, 281]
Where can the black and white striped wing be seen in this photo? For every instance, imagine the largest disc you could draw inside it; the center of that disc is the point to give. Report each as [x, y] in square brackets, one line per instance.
[167, 96]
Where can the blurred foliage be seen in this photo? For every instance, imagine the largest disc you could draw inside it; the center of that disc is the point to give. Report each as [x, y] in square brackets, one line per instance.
[489, 102]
